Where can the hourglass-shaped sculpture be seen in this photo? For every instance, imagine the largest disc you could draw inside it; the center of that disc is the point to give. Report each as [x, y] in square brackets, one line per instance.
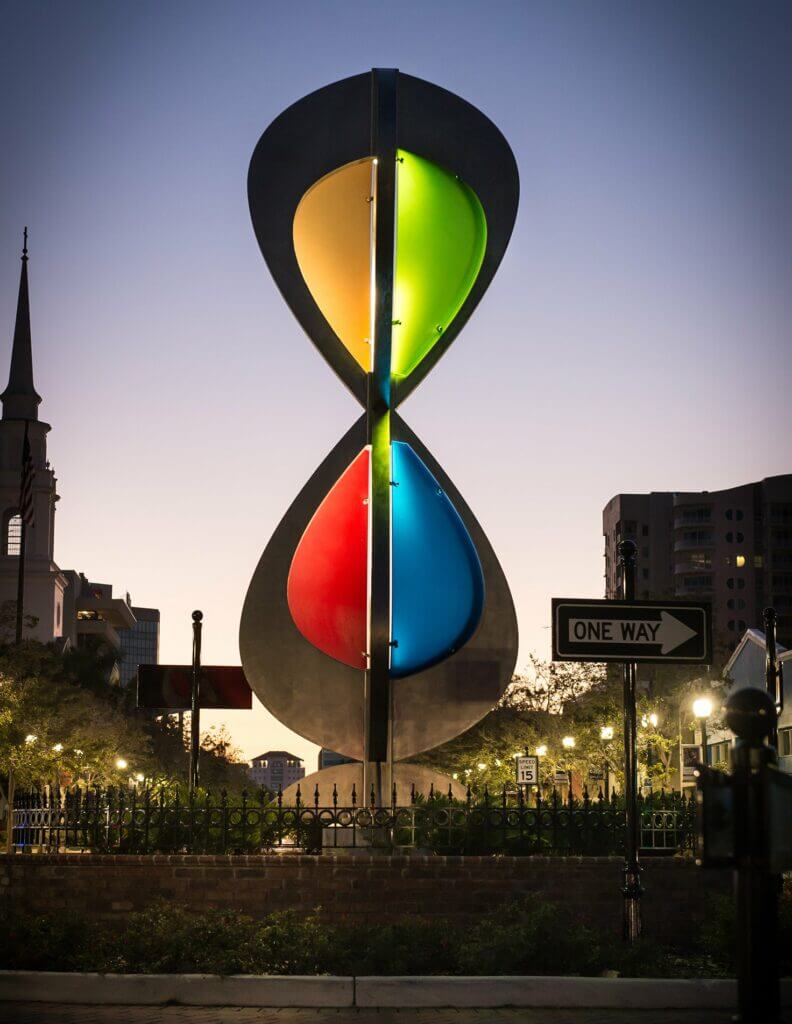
[378, 622]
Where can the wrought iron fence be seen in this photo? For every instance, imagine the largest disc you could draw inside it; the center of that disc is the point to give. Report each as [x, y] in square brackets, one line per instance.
[141, 822]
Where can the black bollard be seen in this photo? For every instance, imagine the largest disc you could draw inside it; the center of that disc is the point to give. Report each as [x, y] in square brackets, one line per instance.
[751, 715]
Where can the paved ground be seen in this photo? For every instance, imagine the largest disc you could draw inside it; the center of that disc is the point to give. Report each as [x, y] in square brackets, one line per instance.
[43, 1013]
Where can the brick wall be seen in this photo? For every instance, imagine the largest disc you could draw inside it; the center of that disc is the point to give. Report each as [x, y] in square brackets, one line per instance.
[361, 886]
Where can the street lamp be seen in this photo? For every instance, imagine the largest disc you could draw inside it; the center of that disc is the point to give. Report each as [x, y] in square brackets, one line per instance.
[702, 709]
[121, 764]
[541, 750]
[606, 735]
[568, 743]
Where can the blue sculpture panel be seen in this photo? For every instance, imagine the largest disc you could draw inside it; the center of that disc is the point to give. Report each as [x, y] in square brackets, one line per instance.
[437, 584]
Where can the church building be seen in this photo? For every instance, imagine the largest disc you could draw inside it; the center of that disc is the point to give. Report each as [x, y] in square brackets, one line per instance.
[67, 607]
[45, 584]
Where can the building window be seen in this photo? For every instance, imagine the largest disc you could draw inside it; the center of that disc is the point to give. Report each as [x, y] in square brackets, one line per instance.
[785, 742]
[735, 603]
[737, 625]
[644, 531]
[645, 574]
[736, 514]
[758, 561]
[734, 538]
[739, 561]
[13, 534]
[697, 582]
[733, 584]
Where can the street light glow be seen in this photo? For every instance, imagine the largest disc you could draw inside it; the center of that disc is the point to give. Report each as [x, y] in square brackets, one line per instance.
[30, 738]
[481, 766]
[568, 742]
[541, 751]
[702, 707]
[606, 732]
[139, 777]
[121, 764]
[653, 720]
[58, 748]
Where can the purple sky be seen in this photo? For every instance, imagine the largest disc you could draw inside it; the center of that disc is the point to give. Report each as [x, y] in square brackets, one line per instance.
[637, 336]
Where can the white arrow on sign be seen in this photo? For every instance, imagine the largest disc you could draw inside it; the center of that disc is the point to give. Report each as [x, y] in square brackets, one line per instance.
[669, 632]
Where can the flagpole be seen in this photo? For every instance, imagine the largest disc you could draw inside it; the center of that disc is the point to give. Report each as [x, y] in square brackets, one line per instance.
[21, 582]
[20, 610]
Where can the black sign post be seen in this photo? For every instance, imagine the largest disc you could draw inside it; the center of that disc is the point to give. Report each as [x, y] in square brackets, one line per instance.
[631, 921]
[629, 631]
[192, 687]
[195, 710]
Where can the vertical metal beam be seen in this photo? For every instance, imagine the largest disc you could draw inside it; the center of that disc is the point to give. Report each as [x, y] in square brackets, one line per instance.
[632, 890]
[383, 148]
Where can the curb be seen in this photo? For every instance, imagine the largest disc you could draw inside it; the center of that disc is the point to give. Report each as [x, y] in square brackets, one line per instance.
[181, 989]
[580, 993]
[311, 991]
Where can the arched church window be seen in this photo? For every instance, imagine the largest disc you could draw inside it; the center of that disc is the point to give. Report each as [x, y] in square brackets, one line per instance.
[13, 533]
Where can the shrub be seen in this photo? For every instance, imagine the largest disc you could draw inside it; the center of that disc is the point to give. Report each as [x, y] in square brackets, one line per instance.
[167, 938]
[412, 946]
[528, 938]
[51, 942]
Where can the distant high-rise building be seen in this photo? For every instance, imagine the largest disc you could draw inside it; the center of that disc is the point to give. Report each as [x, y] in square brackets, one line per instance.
[139, 643]
[331, 758]
[731, 547]
[276, 769]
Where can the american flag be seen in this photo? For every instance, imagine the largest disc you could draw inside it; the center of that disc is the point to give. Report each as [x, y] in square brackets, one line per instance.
[26, 484]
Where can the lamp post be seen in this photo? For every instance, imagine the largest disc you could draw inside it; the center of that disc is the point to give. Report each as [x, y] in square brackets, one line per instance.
[568, 743]
[702, 709]
[606, 735]
[649, 721]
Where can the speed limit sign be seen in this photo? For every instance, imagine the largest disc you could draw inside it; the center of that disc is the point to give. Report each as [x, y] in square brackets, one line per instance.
[528, 771]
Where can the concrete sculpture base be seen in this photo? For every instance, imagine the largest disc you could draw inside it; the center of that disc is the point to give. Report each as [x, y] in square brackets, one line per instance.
[344, 776]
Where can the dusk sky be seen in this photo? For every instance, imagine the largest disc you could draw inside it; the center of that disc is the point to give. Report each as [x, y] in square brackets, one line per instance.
[636, 337]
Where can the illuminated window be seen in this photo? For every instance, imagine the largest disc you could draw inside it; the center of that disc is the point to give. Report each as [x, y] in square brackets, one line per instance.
[739, 561]
[758, 561]
[14, 535]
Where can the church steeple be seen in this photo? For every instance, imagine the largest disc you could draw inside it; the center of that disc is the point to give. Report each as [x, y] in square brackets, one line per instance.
[20, 399]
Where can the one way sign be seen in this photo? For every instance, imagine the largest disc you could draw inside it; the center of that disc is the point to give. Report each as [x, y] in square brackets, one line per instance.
[668, 631]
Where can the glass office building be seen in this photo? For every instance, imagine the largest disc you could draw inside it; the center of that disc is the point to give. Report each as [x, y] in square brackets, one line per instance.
[139, 644]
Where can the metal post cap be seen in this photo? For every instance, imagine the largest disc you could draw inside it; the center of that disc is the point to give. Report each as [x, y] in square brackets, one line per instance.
[626, 550]
[197, 616]
[751, 714]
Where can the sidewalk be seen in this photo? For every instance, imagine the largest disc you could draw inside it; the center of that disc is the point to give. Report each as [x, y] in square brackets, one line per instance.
[43, 1013]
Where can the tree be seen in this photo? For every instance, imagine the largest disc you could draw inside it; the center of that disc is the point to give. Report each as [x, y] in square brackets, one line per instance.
[549, 685]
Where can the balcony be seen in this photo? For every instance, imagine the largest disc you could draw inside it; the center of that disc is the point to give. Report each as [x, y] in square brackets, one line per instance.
[694, 586]
[701, 539]
[691, 516]
[682, 567]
